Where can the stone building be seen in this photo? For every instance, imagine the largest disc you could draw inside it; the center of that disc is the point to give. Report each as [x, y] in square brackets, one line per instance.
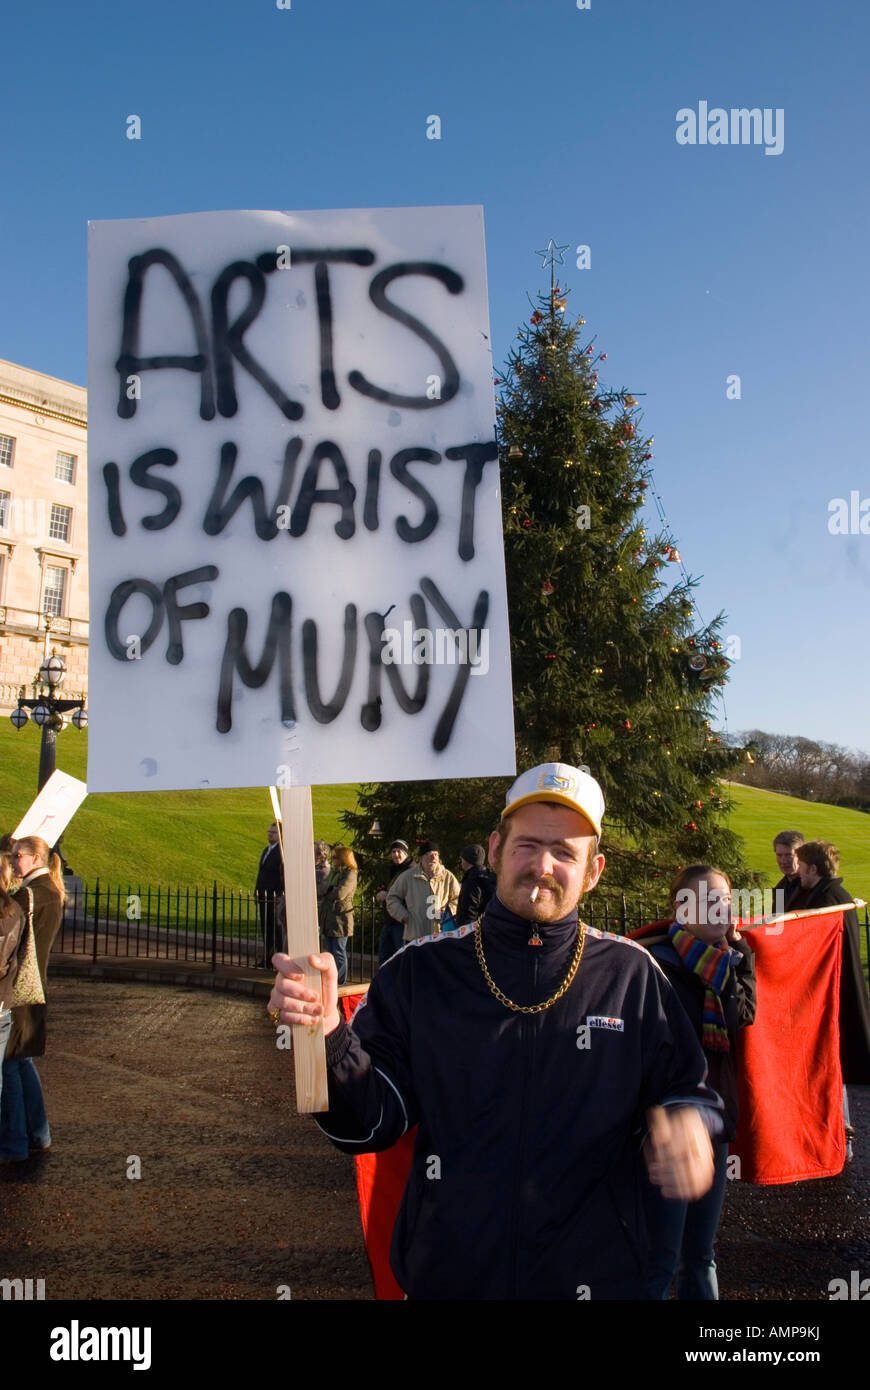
[43, 529]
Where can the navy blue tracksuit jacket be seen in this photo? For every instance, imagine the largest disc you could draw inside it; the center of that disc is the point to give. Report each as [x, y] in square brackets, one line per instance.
[525, 1176]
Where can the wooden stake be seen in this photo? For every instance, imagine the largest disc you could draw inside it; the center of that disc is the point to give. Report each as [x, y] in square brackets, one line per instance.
[303, 940]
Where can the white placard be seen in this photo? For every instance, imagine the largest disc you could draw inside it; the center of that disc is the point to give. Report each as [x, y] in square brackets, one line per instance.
[50, 814]
[297, 571]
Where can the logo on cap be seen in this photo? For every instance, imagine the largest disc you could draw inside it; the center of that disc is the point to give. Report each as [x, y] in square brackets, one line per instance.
[551, 781]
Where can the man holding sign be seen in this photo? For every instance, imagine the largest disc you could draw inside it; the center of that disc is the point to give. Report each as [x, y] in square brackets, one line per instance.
[533, 1053]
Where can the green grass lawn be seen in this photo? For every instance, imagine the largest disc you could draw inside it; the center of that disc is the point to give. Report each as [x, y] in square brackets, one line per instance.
[195, 837]
[168, 838]
[759, 815]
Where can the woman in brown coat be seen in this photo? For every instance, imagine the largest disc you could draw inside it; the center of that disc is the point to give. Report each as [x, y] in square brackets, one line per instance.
[336, 907]
[23, 1121]
[11, 922]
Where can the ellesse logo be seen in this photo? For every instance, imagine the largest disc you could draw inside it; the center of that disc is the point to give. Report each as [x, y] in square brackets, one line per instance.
[613, 1025]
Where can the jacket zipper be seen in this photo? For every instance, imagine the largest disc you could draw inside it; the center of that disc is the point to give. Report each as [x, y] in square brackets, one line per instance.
[527, 1038]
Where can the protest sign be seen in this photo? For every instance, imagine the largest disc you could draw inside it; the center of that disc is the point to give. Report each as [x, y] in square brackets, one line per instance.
[296, 559]
[50, 814]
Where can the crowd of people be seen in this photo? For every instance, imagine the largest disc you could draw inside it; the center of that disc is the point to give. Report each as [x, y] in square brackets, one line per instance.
[417, 897]
[618, 1181]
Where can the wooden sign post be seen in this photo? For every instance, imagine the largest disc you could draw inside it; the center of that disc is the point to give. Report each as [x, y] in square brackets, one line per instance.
[303, 940]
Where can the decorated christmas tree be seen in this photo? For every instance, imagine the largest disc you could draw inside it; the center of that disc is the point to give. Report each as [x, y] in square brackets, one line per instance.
[612, 669]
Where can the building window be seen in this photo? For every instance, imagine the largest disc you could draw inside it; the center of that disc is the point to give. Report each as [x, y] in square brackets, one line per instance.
[7, 450]
[59, 522]
[65, 468]
[5, 499]
[54, 591]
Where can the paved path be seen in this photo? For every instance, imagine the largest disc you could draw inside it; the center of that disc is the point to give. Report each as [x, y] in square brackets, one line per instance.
[239, 1195]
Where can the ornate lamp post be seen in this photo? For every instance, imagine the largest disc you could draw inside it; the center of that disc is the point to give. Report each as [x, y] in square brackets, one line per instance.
[49, 713]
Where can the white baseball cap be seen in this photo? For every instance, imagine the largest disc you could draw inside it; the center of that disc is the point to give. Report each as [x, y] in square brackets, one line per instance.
[562, 783]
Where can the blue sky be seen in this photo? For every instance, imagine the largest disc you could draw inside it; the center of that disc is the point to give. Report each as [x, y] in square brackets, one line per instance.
[706, 260]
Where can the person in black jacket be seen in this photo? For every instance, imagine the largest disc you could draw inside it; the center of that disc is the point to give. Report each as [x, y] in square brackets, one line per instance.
[532, 1053]
[785, 847]
[818, 862]
[478, 885]
[268, 891]
[712, 971]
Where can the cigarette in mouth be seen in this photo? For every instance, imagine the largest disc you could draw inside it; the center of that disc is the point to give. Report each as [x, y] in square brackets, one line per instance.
[534, 894]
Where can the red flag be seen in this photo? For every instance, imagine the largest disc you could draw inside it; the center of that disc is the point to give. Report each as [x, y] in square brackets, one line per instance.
[790, 1084]
[380, 1182]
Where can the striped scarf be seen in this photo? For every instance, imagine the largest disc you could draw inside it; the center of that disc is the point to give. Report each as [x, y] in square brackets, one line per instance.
[712, 964]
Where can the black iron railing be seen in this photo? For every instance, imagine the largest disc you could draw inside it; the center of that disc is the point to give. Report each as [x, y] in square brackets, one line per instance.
[221, 927]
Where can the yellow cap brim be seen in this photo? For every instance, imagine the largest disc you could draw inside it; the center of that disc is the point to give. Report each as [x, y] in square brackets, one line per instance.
[551, 795]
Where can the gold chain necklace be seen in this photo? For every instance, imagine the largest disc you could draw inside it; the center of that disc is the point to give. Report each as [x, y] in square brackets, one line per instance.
[529, 1008]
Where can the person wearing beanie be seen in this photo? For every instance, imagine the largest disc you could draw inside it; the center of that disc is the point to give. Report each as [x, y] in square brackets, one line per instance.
[478, 885]
[543, 1063]
[391, 930]
[419, 897]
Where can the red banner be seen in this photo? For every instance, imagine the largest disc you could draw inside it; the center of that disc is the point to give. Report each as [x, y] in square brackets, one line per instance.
[791, 1087]
[380, 1182]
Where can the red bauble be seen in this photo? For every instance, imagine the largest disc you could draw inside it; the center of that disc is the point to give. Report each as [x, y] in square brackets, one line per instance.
[626, 723]
[646, 456]
[536, 317]
[527, 522]
[700, 805]
[604, 356]
[690, 825]
[542, 378]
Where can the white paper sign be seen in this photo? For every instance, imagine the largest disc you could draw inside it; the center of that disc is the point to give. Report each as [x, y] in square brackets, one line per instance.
[297, 572]
[50, 814]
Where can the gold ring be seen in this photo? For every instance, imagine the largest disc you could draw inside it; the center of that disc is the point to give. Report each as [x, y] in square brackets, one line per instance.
[274, 1015]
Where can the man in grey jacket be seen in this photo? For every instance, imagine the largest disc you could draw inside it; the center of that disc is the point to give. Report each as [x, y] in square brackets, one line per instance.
[418, 897]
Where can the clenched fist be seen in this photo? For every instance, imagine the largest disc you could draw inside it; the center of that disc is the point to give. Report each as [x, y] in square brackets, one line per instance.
[678, 1153]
